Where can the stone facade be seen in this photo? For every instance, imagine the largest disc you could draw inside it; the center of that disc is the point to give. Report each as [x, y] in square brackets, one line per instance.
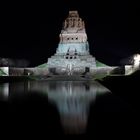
[72, 55]
[28, 71]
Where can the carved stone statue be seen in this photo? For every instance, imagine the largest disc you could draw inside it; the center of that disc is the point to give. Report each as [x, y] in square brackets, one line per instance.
[70, 23]
[65, 24]
[75, 23]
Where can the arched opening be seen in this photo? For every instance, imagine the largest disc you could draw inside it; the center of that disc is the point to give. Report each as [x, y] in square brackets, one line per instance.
[87, 69]
[52, 70]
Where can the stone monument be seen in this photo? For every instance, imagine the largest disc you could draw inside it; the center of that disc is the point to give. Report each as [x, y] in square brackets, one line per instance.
[72, 54]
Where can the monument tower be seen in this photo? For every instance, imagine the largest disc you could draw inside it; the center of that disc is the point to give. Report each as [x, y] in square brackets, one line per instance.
[72, 54]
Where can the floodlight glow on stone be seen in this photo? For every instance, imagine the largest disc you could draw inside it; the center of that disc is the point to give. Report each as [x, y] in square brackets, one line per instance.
[137, 59]
[72, 54]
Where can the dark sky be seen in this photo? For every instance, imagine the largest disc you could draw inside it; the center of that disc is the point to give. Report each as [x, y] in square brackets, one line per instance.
[31, 30]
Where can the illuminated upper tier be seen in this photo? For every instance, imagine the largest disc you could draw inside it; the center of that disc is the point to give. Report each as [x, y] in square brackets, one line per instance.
[73, 36]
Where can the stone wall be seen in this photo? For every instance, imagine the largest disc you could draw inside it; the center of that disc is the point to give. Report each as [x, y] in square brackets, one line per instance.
[28, 71]
[36, 71]
[64, 71]
[90, 70]
[107, 70]
[119, 70]
[16, 71]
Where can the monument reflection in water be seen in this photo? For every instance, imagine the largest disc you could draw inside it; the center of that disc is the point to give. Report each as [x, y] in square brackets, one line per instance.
[72, 98]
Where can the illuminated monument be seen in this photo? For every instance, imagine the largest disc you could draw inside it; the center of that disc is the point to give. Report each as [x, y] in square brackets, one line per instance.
[72, 57]
[72, 54]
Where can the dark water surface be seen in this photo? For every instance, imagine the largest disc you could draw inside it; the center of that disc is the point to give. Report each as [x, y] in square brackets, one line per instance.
[64, 107]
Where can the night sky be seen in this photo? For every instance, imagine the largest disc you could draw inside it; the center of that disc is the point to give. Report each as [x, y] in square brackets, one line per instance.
[31, 30]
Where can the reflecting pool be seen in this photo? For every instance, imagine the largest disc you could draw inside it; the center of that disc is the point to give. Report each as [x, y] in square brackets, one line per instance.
[71, 98]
